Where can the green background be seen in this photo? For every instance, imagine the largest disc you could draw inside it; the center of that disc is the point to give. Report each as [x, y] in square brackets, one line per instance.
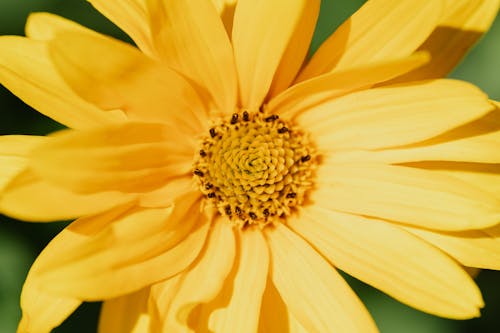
[20, 242]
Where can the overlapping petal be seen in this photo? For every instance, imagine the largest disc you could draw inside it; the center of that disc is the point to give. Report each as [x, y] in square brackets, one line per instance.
[161, 242]
[191, 38]
[379, 30]
[131, 16]
[14, 150]
[472, 248]
[42, 310]
[174, 307]
[405, 267]
[242, 310]
[260, 44]
[395, 115]
[126, 79]
[30, 198]
[125, 314]
[134, 157]
[304, 95]
[461, 25]
[407, 195]
[313, 291]
[27, 70]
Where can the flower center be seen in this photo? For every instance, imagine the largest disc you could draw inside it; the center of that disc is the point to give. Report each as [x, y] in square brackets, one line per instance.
[255, 168]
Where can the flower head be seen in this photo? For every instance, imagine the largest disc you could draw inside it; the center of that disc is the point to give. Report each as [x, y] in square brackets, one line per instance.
[218, 179]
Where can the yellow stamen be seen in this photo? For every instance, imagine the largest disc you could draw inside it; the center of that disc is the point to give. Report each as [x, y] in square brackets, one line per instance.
[255, 168]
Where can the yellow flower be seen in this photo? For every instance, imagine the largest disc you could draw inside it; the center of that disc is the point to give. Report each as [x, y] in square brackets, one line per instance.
[218, 182]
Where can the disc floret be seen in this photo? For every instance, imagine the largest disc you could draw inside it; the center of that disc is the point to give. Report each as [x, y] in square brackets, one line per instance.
[255, 168]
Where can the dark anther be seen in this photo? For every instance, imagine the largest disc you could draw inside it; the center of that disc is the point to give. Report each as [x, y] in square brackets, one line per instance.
[261, 108]
[246, 116]
[198, 172]
[234, 118]
[208, 186]
[227, 209]
[211, 195]
[212, 132]
[252, 215]
[291, 195]
[272, 117]
[237, 210]
[203, 153]
[283, 130]
[305, 158]
[266, 212]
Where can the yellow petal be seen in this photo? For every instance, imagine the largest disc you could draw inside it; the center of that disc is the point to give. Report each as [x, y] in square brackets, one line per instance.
[14, 150]
[136, 249]
[126, 314]
[126, 79]
[274, 312]
[162, 294]
[30, 198]
[32, 77]
[310, 93]
[462, 24]
[134, 157]
[297, 49]
[379, 30]
[132, 17]
[473, 248]
[42, 311]
[213, 266]
[407, 195]
[191, 38]
[226, 8]
[486, 177]
[392, 260]
[275, 315]
[476, 141]
[46, 26]
[262, 32]
[241, 314]
[395, 115]
[312, 290]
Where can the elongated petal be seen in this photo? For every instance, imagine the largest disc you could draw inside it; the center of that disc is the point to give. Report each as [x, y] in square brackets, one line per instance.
[242, 312]
[125, 79]
[310, 93]
[262, 32]
[28, 197]
[275, 315]
[14, 150]
[162, 294]
[46, 26]
[160, 242]
[462, 24]
[392, 260]
[395, 115]
[226, 8]
[213, 266]
[43, 311]
[296, 50]
[132, 17]
[126, 314]
[191, 38]
[312, 290]
[407, 195]
[379, 30]
[27, 70]
[134, 157]
[473, 248]
[480, 177]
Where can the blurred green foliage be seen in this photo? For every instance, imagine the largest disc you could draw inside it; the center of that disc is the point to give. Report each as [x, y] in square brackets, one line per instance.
[20, 242]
